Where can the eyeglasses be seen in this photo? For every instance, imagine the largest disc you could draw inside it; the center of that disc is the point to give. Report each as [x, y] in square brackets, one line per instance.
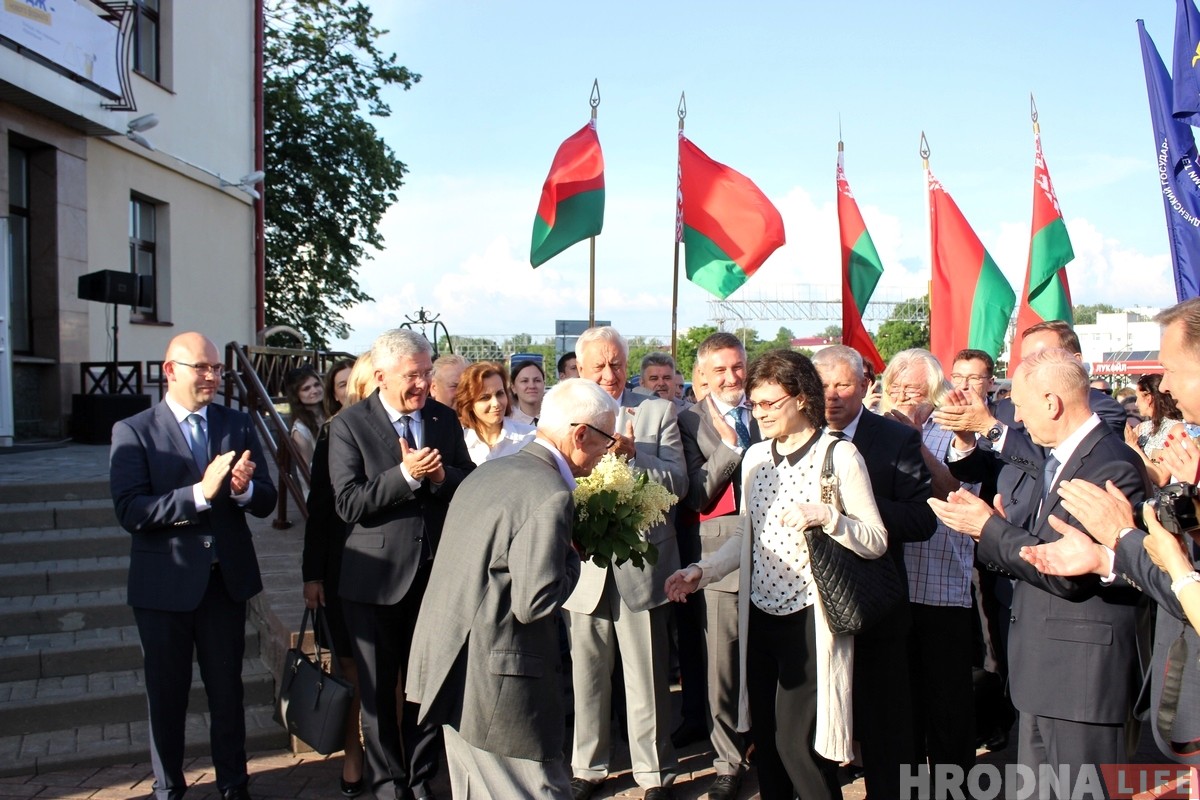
[767, 405]
[907, 391]
[977, 380]
[202, 369]
[612, 440]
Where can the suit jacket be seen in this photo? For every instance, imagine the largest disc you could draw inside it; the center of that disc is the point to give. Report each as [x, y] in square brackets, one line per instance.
[712, 467]
[151, 475]
[1132, 564]
[1073, 651]
[393, 529]
[485, 655]
[324, 531]
[900, 481]
[660, 455]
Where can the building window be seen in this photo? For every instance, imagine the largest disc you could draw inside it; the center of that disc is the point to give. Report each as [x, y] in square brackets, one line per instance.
[143, 255]
[20, 301]
[146, 25]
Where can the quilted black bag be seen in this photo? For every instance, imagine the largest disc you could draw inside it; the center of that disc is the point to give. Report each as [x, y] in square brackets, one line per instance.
[313, 704]
[855, 592]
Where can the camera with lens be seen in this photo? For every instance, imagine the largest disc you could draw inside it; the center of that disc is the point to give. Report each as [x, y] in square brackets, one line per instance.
[1175, 507]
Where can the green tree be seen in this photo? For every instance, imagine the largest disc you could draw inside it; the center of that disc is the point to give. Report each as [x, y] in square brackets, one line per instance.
[687, 345]
[898, 333]
[330, 177]
[833, 333]
[1086, 315]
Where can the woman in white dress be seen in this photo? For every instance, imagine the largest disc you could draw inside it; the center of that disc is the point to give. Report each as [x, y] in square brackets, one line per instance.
[795, 673]
[482, 406]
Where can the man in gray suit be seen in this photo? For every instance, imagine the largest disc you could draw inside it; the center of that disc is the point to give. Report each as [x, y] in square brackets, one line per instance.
[624, 605]
[485, 661]
[1073, 649]
[716, 432]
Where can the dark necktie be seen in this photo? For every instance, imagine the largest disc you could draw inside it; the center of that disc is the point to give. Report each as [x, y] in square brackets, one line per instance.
[1048, 471]
[840, 435]
[739, 427]
[197, 441]
[406, 431]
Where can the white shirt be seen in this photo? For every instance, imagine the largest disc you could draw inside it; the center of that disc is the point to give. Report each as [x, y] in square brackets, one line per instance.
[513, 436]
[416, 427]
[181, 414]
[743, 415]
[564, 469]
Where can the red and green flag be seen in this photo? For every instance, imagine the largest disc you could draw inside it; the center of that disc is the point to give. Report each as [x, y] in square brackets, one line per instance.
[1047, 294]
[572, 204]
[861, 270]
[727, 225]
[970, 300]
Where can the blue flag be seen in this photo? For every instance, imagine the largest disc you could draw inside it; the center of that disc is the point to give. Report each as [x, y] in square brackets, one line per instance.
[1177, 173]
[1186, 103]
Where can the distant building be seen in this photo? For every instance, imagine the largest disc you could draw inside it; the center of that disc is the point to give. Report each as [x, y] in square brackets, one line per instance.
[813, 343]
[1125, 343]
[81, 196]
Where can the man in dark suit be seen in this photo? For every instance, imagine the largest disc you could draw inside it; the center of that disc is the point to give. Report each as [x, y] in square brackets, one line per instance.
[1120, 549]
[485, 659]
[901, 483]
[183, 475]
[395, 460]
[1073, 654]
[716, 432]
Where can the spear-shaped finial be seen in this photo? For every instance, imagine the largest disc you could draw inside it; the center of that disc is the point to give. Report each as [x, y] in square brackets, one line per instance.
[924, 151]
[1033, 114]
[594, 100]
[839, 132]
[682, 110]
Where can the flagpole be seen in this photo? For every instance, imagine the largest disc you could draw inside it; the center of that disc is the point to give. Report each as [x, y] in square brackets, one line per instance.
[594, 101]
[924, 151]
[682, 112]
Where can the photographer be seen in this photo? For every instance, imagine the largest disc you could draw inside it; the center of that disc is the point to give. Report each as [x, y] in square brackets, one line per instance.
[1161, 558]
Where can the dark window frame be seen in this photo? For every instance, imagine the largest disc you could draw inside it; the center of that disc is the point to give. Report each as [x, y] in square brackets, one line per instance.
[138, 245]
[22, 342]
[147, 13]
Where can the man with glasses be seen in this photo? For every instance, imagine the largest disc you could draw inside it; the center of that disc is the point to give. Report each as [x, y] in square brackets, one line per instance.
[395, 460]
[902, 484]
[625, 606]
[183, 475]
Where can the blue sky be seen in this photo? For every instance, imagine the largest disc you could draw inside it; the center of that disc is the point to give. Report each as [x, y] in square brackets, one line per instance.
[504, 83]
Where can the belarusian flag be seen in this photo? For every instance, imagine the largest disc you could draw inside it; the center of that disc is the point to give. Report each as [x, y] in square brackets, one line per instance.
[572, 204]
[727, 224]
[1047, 295]
[861, 270]
[970, 300]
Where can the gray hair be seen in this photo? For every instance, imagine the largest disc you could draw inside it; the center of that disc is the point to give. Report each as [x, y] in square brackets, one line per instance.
[657, 359]
[391, 346]
[935, 378]
[576, 400]
[721, 340]
[1058, 371]
[604, 333]
[835, 354]
[448, 361]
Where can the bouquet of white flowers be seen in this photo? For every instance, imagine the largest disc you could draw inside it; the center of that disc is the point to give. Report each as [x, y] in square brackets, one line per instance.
[613, 510]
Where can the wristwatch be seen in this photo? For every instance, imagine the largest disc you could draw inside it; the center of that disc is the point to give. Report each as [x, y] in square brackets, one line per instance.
[1184, 580]
[994, 433]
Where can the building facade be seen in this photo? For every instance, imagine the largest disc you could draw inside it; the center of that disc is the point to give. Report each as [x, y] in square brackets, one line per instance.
[126, 130]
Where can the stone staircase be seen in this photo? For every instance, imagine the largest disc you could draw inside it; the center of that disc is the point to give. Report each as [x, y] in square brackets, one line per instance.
[71, 684]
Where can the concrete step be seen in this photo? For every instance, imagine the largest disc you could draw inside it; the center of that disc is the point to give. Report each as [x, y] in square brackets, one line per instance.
[64, 575]
[57, 514]
[57, 655]
[109, 743]
[49, 492]
[61, 613]
[49, 545]
[105, 697]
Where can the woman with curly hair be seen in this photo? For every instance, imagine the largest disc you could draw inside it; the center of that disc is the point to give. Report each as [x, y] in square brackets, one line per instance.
[1162, 418]
[482, 406]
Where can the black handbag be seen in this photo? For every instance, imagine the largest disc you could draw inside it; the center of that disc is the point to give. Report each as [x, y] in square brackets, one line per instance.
[313, 703]
[855, 592]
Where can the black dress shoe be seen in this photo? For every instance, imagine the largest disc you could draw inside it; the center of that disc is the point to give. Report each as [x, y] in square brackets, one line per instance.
[659, 793]
[352, 788]
[999, 741]
[688, 733]
[582, 789]
[236, 793]
[423, 793]
[725, 787]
